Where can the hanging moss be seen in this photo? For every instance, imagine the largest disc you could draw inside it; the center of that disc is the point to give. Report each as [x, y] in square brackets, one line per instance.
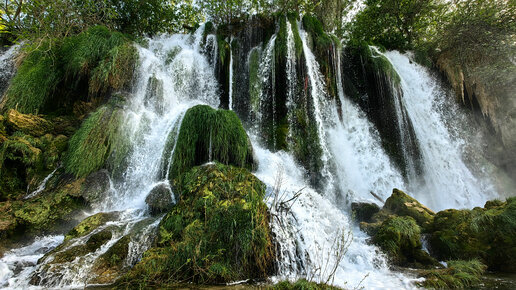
[54, 75]
[204, 129]
[217, 232]
[94, 142]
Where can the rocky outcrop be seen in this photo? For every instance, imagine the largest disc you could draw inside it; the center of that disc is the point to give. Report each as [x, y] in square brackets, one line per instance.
[217, 232]
[28, 124]
[160, 199]
[488, 88]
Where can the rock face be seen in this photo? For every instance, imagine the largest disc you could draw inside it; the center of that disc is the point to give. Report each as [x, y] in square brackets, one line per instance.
[217, 232]
[160, 199]
[488, 88]
[95, 186]
[363, 212]
[400, 203]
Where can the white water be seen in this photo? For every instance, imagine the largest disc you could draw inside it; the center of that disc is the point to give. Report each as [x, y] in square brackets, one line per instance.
[7, 66]
[184, 81]
[231, 73]
[448, 182]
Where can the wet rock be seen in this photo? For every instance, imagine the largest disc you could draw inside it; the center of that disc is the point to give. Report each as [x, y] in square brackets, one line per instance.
[160, 199]
[401, 204]
[28, 124]
[90, 224]
[109, 266]
[363, 211]
[96, 186]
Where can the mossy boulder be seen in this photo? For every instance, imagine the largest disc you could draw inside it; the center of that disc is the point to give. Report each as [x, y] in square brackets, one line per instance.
[217, 232]
[29, 124]
[485, 233]
[458, 274]
[401, 204]
[363, 211]
[89, 224]
[160, 199]
[400, 238]
[206, 135]
[95, 186]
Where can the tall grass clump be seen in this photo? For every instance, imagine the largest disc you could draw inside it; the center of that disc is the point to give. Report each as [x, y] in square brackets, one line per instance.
[92, 144]
[459, 274]
[209, 135]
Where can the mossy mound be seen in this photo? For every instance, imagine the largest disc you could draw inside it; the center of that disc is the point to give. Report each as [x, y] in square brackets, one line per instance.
[486, 233]
[89, 224]
[302, 285]
[402, 204]
[28, 124]
[206, 135]
[100, 137]
[53, 75]
[458, 274]
[108, 266]
[217, 232]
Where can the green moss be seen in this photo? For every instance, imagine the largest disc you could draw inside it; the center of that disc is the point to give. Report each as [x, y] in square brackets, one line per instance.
[217, 232]
[255, 83]
[402, 204]
[302, 284]
[51, 76]
[458, 274]
[398, 236]
[482, 233]
[206, 131]
[94, 142]
[88, 225]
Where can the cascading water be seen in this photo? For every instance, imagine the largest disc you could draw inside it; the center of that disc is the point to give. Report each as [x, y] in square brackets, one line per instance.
[173, 76]
[7, 67]
[448, 182]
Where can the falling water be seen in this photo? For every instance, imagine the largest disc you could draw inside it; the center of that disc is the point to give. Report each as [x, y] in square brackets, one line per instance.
[42, 185]
[7, 67]
[231, 73]
[173, 75]
[448, 182]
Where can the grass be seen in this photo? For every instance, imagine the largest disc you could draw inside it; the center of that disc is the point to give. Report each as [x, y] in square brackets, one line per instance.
[458, 274]
[301, 284]
[92, 144]
[206, 130]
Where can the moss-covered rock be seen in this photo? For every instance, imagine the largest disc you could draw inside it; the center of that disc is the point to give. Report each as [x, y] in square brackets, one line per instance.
[458, 274]
[206, 135]
[108, 266]
[90, 224]
[28, 124]
[401, 204]
[160, 199]
[363, 211]
[400, 238]
[484, 233]
[217, 232]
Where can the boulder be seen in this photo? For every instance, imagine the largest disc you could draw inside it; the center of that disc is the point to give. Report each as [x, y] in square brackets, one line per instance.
[217, 232]
[160, 199]
[95, 186]
[363, 211]
[28, 124]
[401, 204]
[109, 266]
[89, 224]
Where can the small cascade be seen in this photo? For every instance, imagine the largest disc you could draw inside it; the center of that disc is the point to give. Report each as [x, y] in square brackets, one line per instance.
[7, 67]
[291, 73]
[447, 180]
[231, 73]
[42, 185]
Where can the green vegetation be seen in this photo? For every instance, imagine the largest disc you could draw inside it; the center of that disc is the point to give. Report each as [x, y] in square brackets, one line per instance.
[402, 204]
[302, 285]
[98, 138]
[89, 224]
[53, 75]
[207, 134]
[399, 236]
[217, 232]
[458, 274]
[485, 233]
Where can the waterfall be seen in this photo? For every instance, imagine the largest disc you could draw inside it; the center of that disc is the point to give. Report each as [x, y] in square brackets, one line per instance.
[7, 66]
[231, 73]
[448, 182]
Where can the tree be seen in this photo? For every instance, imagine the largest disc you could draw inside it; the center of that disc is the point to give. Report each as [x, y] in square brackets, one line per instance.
[397, 24]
